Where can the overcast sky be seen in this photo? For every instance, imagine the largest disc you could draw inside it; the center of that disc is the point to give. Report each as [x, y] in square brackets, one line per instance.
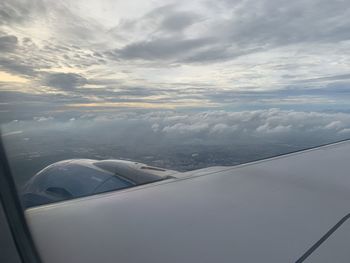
[103, 55]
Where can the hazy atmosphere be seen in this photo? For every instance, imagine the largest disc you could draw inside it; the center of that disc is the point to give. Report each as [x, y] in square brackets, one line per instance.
[176, 84]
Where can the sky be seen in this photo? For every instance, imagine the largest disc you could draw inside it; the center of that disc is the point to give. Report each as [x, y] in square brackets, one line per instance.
[200, 55]
[185, 71]
[188, 83]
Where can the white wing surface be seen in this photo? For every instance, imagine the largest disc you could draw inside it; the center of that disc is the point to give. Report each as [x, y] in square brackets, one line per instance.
[267, 211]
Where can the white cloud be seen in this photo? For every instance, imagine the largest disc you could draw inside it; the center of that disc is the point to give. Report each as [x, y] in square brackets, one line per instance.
[184, 128]
[274, 129]
[155, 127]
[214, 126]
[335, 125]
[345, 131]
[12, 133]
[42, 118]
[219, 128]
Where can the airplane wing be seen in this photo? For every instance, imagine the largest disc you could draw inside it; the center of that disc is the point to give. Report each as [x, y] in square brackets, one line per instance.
[292, 208]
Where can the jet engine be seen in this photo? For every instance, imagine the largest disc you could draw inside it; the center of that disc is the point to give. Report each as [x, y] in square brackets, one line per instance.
[75, 178]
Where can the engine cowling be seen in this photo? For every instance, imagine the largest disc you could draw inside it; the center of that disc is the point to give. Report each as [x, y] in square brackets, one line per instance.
[75, 178]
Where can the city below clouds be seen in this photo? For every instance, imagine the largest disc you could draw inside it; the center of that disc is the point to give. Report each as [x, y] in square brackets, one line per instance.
[63, 56]
[176, 140]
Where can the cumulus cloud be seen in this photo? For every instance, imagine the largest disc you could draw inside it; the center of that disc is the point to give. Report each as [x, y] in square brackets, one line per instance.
[170, 139]
[222, 128]
[220, 124]
[211, 125]
[186, 128]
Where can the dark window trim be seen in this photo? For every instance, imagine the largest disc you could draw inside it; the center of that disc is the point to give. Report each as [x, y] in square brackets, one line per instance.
[14, 212]
[322, 239]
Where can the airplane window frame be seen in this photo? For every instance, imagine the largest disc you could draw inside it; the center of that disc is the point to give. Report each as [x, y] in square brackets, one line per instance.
[14, 213]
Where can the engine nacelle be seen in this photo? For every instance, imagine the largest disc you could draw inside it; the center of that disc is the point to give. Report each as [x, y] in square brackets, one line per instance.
[83, 177]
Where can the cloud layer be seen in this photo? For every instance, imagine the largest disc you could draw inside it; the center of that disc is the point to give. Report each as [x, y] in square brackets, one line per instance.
[229, 55]
[211, 127]
[177, 140]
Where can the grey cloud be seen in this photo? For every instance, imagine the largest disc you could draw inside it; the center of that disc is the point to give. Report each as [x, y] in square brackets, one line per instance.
[75, 29]
[164, 20]
[29, 59]
[130, 94]
[137, 92]
[15, 67]
[17, 97]
[165, 39]
[341, 88]
[284, 22]
[27, 40]
[305, 95]
[175, 35]
[163, 48]
[328, 78]
[23, 105]
[178, 21]
[247, 97]
[245, 28]
[8, 43]
[271, 24]
[218, 53]
[79, 30]
[17, 11]
[212, 54]
[64, 81]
